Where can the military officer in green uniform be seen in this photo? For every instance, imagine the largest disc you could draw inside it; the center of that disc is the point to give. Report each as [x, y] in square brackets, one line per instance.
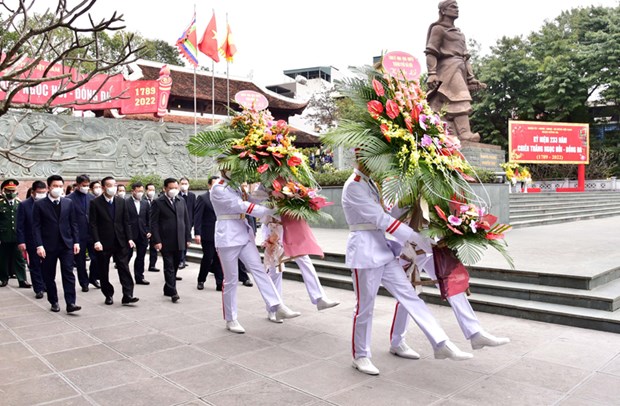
[11, 259]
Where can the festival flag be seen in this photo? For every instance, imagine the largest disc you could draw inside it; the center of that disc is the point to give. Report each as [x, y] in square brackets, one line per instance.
[228, 48]
[208, 43]
[187, 43]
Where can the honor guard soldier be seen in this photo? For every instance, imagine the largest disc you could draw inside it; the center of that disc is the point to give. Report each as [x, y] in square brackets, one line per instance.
[234, 240]
[373, 260]
[12, 261]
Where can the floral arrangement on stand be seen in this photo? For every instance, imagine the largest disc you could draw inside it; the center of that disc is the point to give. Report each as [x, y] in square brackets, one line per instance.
[255, 147]
[517, 173]
[407, 149]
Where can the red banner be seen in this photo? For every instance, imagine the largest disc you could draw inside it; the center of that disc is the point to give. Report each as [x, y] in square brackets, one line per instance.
[548, 142]
[98, 88]
[141, 97]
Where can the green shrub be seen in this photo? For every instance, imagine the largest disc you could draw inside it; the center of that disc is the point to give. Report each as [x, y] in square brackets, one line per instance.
[335, 178]
[146, 179]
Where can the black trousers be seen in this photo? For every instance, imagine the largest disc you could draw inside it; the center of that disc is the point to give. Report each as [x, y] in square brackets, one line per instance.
[34, 265]
[80, 264]
[171, 266]
[152, 256]
[120, 255]
[48, 268]
[210, 263]
[138, 263]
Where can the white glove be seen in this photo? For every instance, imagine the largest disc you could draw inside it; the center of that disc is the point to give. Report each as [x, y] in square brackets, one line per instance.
[422, 242]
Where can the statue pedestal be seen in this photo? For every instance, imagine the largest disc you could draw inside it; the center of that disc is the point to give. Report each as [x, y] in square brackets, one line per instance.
[484, 156]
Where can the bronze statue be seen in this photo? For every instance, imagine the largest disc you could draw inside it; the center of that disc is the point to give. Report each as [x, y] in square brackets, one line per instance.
[450, 76]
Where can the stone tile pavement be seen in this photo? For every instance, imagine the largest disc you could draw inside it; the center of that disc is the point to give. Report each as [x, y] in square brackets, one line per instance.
[160, 353]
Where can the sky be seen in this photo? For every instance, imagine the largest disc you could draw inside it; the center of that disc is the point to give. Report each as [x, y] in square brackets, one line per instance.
[275, 35]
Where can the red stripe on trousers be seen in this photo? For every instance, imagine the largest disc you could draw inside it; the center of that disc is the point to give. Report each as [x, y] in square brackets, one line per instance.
[357, 311]
[393, 320]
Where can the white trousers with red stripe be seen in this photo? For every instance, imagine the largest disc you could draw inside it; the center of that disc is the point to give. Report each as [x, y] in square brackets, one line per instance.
[366, 284]
[308, 273]
[465, 315]
[248, 254]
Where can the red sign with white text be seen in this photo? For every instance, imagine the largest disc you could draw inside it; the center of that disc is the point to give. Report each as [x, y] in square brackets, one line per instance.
[548, 142]
[396, 63]
[141, 97]
[100, 87]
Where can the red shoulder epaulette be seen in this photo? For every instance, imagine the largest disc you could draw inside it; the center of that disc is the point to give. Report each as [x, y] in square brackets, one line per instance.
[357, 178]
[221, 182]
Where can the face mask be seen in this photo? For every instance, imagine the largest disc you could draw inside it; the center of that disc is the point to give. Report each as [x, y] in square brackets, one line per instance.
[84, 189]
[172, 193]
[56, 192]
[111, 191]
[150, 194]
[184, 188]
[10, 195]
[97, 191]
[39, 196]
[121, 195]
[139, 195]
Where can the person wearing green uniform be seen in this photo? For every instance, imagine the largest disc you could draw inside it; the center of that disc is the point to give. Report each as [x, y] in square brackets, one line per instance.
[12, 261]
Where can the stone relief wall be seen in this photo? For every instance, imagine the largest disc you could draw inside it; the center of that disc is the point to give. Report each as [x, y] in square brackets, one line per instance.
[99, 147]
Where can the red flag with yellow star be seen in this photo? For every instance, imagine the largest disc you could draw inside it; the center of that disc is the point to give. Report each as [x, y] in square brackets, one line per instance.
[208, 43]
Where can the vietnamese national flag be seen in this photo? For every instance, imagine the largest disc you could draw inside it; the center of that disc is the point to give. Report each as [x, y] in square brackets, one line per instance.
[208, 43]
[228, 48]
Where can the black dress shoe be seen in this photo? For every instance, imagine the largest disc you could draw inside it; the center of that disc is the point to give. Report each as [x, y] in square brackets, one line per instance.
[143, 282]
[96, 284]
[178, 278]
[200, 286]
[3, 283]
[73, 308]
[85, 288]
[129, 300]
[24, 284]
[218, 288]
[153, 270]
[55, 308]
[248, 283]
[175, 298]
[38, 295]
[109, 301]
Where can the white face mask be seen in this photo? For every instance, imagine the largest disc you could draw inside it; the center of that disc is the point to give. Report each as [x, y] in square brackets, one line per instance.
[121, 195]
[172, 193]
[56, 192]
[138, 196]
[39, 196]
[111, 191]
[97, 191]
[84, 189]
[184, 188]
[150, 194]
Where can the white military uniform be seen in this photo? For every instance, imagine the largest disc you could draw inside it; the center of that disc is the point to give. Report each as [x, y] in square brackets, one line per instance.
[373, 263]
[461, 307]
[234, 240]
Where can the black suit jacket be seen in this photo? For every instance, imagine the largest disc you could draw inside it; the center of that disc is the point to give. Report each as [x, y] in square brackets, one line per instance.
[170, 225]
[78, 199]
[204, 218]
[110, 232]
[51, 232]
[190, 203]
[139, 222]
[25, 234]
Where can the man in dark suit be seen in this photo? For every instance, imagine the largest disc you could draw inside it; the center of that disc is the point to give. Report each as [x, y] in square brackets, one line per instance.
[56, 236]
[139, 220]
[25, 236]
[111, 232]
[204, 232]
[190, 203]
[170, 230]
[81, 201]
[150, 195]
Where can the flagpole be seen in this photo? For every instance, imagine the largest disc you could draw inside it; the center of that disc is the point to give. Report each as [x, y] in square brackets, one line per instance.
[227, 76]
[195, 109]
[212, 92]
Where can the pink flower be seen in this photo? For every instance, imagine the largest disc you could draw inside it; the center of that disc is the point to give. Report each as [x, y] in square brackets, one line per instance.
[375, 108]
[318, 202]
[263, 168]
[391, 108]
[455, 221]
[427, 141]
[378, 88]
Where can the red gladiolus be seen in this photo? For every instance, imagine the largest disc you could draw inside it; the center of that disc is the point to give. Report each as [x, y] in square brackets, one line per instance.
[440, 213]
[294, 161]
[415, 114]
[375, 108]
[276, 185]
[263, 168]
[391, 108]
[378, 88]
[409, 125]
[384, 131]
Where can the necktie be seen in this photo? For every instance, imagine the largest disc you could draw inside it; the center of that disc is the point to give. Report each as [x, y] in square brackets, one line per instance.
[56, 202]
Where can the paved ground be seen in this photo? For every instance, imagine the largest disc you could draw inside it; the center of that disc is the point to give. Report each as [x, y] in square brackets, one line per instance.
[159, 353]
